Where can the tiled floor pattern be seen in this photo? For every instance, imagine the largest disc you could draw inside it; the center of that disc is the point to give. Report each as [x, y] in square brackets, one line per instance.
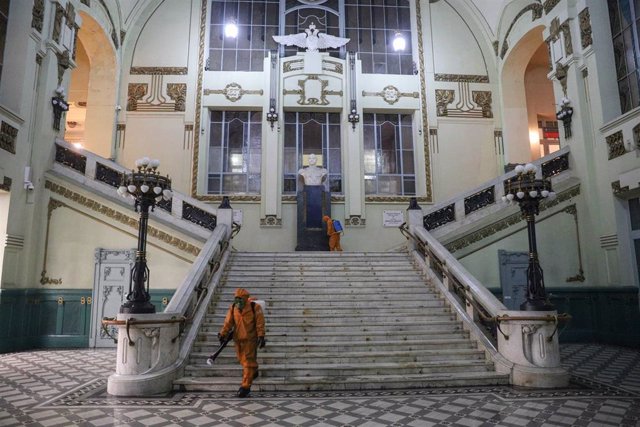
[58, 388]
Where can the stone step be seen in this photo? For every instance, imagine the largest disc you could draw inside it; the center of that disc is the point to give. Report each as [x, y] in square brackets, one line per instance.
[278, 328]
[351, 383]
[311, 255]
[323, 299]
[355, 319]
[356, 344]
[292, 369]
[336, 283]
[290, 273]
[343, 312]
[317, 266]
[320, 306]
[268, 357]
[337, 336]
[319, 291]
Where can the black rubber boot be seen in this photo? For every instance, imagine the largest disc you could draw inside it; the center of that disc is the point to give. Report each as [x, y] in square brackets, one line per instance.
[243, 392]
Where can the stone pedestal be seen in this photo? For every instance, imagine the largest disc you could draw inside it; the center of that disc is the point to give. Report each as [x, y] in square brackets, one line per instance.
[313, 203]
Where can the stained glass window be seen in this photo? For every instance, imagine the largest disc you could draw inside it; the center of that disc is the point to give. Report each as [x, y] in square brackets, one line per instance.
[623, 17]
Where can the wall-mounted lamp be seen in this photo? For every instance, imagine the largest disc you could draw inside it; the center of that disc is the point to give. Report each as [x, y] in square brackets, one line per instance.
[59, 106]
[565, 114]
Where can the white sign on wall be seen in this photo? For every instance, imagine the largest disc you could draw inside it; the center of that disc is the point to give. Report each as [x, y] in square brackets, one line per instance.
[237, 216]
[392, 218]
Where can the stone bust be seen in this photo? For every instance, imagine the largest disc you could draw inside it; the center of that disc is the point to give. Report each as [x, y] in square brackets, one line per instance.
[313, 174]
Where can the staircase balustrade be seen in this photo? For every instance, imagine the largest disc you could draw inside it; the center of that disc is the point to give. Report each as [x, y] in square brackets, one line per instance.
[523, 344]
[153, 348]
[468, 206]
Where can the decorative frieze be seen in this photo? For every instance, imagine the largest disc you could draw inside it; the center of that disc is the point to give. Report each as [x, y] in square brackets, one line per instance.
[37, 15]
[586, 37]
[270, 221]
[444, 97]
[8, 136]
[332, 66]
[355, 221]
[135, 93]
[294, 65]
[458, 78]
[159, 71]
[391, 94]
[57, 23]
[233, 92]
[423, 95]
[472, 104]
[548, 5]
[483, 99]
[536, 12]
[391, 199]
[615, 142]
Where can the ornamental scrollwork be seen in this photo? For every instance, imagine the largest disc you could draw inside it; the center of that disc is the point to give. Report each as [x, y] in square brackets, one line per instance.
[440, 217]
[391, 94]
[615, 142]
[135, 93]
[444, 97]
[8, 136]
[586, 33]
[271, 221]
[233, 92]
[178, 94]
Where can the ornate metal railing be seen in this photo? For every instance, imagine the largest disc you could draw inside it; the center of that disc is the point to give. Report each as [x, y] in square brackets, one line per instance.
[468, 203]
[104, 171]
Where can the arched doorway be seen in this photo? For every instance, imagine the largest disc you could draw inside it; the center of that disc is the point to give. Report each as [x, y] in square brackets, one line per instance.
[92, 90]
[530, 127]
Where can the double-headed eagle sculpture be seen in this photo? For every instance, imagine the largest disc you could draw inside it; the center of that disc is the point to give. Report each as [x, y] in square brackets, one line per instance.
[312, 40]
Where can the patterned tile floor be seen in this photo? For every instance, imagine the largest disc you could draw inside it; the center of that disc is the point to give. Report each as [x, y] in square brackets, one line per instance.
[67, 387]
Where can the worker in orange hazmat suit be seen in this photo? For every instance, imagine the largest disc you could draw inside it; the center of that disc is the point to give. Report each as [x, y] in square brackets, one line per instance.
[334, 236]
[247, 321]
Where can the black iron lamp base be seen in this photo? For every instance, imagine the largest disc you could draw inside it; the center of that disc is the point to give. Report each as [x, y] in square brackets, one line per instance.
[137, 307]
[537, 305]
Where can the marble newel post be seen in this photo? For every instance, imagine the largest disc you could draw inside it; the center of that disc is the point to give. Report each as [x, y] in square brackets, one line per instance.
[150, 354]
[314, 201]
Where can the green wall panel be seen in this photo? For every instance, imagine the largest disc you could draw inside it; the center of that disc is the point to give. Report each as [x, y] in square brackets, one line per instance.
[50, 318]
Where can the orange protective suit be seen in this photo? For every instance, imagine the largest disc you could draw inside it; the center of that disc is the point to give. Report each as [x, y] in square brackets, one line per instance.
[248, 327]
[334, 236]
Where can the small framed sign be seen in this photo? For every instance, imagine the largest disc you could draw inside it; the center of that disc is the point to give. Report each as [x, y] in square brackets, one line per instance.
[392, 218]
[237, 216]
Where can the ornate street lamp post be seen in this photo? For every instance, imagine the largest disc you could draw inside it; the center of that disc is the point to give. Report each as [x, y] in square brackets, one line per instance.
[527, 191]
[146, 187]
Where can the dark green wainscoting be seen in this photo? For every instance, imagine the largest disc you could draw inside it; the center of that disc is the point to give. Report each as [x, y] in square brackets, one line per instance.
[600, 315]
[51, 318]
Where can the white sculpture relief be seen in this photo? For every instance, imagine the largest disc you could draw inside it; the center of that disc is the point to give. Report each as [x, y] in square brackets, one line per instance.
[312, 40]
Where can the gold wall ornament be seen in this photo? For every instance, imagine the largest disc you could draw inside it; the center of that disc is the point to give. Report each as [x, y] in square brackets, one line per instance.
[164, 71]
[121, 133]
[37, 15]
[491, 229]
[444, 97]
[233, 92]
[187, 140]
[232, 198]
[394, 199]
[136, 91]
[536, 13]
[332, 66]
[120, 217]
[483, 99]
[8, 137]
[178, 94]
[6, 184]
[457, 78]
[548, 5]
[423, 104]
[586, 33]
[270, 221]
[615, 142]
[304, 99]
[57, 23]
[295, 65]
[391, 94]
[64, 63]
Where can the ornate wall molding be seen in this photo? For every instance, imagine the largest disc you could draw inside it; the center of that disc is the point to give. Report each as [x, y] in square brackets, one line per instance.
[44, 279]
[136, 91]
[159, 71]
[178, 94]
[393, 199]
[355, 221]
[121, 133]
[144, 97]
[458, 78]
[332, 66]
[636, 136]
[232, 198]
[423, 95]
[270, 221]
[187, 141]
[5, 184]
[294, 65]
[499, 142]
[57, 23]
[507, 222]
[548, 5]
[615, 142]
[120, 217]
[586, 33]
[391, 94]
[536, 10]
[233, 92]
[64, 63]
[8, 136]
[556, 30]
[37, 15]
[304, 99]
[472, 104]
[434, 141]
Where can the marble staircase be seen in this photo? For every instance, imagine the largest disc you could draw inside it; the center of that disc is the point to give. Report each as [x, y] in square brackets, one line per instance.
[340, 321]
